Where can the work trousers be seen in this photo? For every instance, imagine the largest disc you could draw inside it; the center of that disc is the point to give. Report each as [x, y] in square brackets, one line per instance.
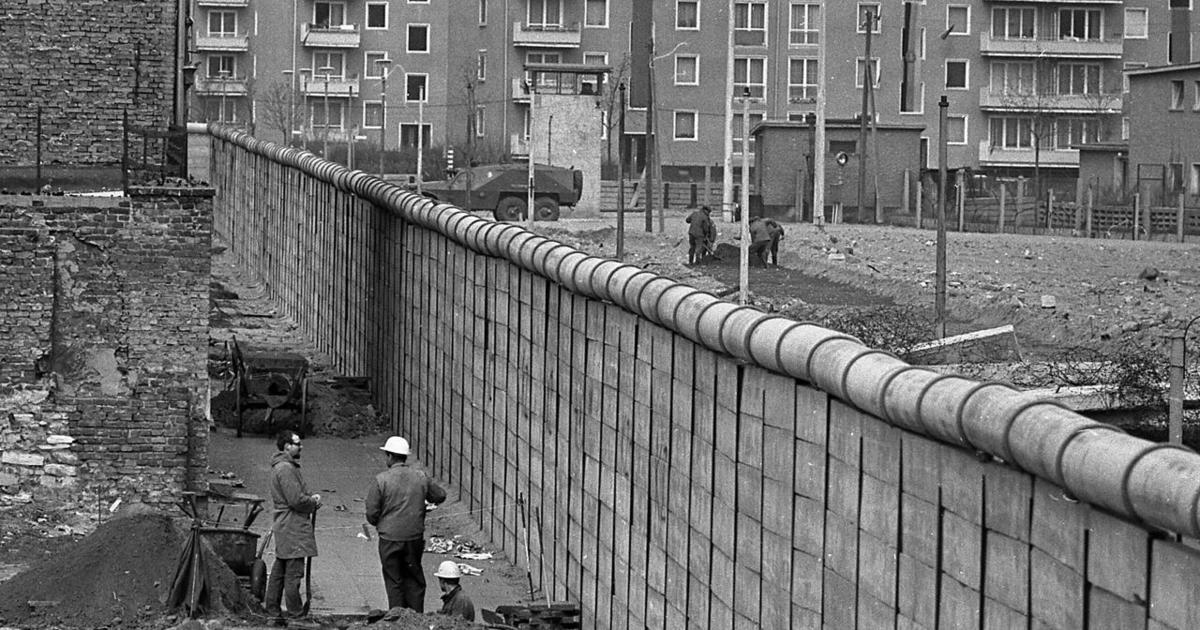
[284, 583]
[697, 246]
[403, 577]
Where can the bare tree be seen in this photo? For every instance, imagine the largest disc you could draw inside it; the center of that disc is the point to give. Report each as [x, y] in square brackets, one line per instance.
[611, 102]
[281, 108]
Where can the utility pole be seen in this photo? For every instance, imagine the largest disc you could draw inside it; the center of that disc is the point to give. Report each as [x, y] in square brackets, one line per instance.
[868, 81]
[650, 152]
[727, 170]
[819, 147]
[383, 77]
[327, 72]
[744, 214]
[472, 131]
[291, 124]
[940, 280]
[621, 178]
[533, 103]
[420, 135]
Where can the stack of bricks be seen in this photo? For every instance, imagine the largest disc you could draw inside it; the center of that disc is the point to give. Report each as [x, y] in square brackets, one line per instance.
[103, 373]
[85, 63]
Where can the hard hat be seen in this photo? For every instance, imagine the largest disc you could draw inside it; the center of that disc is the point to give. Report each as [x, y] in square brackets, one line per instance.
[448, 570]
[395, 445]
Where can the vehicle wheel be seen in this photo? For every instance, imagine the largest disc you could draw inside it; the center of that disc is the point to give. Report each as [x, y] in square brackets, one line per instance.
[545, 209]
[510, 209]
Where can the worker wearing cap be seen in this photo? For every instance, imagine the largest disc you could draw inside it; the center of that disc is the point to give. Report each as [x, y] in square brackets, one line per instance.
[396, 507]
[701, 234]
[454, 601]
[295, 539]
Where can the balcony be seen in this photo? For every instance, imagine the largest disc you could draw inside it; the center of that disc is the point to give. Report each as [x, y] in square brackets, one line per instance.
[1052, 158]
[317, 36]
[1068, 103]
[339, 87]
[213, 86]
[546, 35]
[222, 42]
[1089, 48]
[223, 3]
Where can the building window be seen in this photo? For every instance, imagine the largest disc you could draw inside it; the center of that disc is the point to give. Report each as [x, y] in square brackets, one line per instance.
[1073, 131]
[483, 12]
[416, 88]
[418, 38]
[1125, 128]
[372, 69]
[687, 15]
[1011, 133]
[480, 121]
[408, 135]
[687, 70]
[685, 125]
[1013, 23]
[327, 115]
[221, 66]
[804, 27]
[802, 80]
[956, 74]
[1196, 96]
[1012, 78]
[738, 143]
[1175, 181]
[481, 65]
[956, 130]
[849, 147]
[329, 14]
[1181, 4]
[334, 61]
[958, 19]
[1177, 95]
[1079, 24]
[590, 83]
[750, 23]
[1195, 187]
[749, 73]
[1136, 23]
[1079, 78]
[595, 14]
[860, 71]
[222, 24]
[545, 13]
[377, 15]
[372, 114]
[868, 11]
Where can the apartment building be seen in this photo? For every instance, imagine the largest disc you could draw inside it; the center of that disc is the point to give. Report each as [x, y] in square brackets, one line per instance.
[1025, 79]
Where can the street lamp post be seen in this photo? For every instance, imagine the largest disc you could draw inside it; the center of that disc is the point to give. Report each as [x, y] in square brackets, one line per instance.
[291, 80]
[306, 76]
[224, 75]
[383, 77]
[420, 134]
[327, 72]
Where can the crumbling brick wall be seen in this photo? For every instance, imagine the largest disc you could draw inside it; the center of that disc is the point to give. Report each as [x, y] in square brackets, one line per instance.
[103, 344]
[85, 62]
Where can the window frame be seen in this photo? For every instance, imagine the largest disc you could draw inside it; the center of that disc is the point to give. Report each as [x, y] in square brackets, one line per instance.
[695, 129]
[859, 16]
[480, 121]
[483, 13]
[695, 4]
[740, 143]
[425, 131]
[966, 26]
[223, 14]
[1005, 35]
[586, 5]
[424, 94]
[1009, 66]
[859, 67]
[590, 79]
[811, 32]
[371, 68]
[387, 16]
[408, 31]
[749, 63]
[543, 23]
[1177, 95]
[1070, 68]
[481, 64]
[695, 69]
[966, 64]
[334, 105]
[220, 59]
[329, 5]
[966, 134]
[1196, 96]
[365, 105]
[804, 87]
[1003, 143]
[1145, 23]
[340, 67]
[762, 30]
[1087, 12]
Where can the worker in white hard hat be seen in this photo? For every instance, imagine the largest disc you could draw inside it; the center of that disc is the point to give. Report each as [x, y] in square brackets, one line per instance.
[454, 601]
[396, 507]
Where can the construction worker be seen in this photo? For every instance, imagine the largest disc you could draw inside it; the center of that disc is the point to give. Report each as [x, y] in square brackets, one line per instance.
[760, 240]
[295, 540]
[396, 505]
[776, 231]
[454, 601]
[701, 234]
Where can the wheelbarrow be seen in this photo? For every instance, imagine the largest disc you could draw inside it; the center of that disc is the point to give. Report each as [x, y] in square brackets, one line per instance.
[269, 380]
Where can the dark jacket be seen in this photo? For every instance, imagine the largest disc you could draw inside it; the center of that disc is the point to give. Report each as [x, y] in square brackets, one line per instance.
[294, 505]
[701, 226]
[396, 502]
[456, 603]
[760, 232]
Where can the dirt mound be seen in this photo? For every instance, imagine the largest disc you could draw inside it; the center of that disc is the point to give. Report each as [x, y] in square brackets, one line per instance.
[117, 577]
[406, 619]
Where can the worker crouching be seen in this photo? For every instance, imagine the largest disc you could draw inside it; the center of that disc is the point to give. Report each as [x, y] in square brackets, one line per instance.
[454, 601]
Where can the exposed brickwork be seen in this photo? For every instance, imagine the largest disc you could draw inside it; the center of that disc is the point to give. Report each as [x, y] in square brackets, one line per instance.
[81, 60]
[103, 343]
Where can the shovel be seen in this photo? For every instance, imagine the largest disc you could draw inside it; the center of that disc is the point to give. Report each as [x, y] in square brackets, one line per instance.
[258, 572]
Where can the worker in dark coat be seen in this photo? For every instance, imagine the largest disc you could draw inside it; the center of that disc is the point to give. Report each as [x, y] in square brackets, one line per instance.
[454, 601]
[701, 234]
[396, 505]
[776, 232]
[295, 540]
[760, 240]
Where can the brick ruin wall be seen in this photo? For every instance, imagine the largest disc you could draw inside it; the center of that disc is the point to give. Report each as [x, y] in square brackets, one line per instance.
[85, 62]
[103, 344]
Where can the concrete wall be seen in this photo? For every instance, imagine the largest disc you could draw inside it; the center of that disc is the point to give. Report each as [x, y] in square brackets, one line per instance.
[103, 344]
[566, 132]
[85, 62]
[686, 462]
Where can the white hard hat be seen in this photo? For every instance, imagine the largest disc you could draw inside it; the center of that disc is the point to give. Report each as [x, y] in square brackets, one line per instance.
[448, 570]
[395, 445]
